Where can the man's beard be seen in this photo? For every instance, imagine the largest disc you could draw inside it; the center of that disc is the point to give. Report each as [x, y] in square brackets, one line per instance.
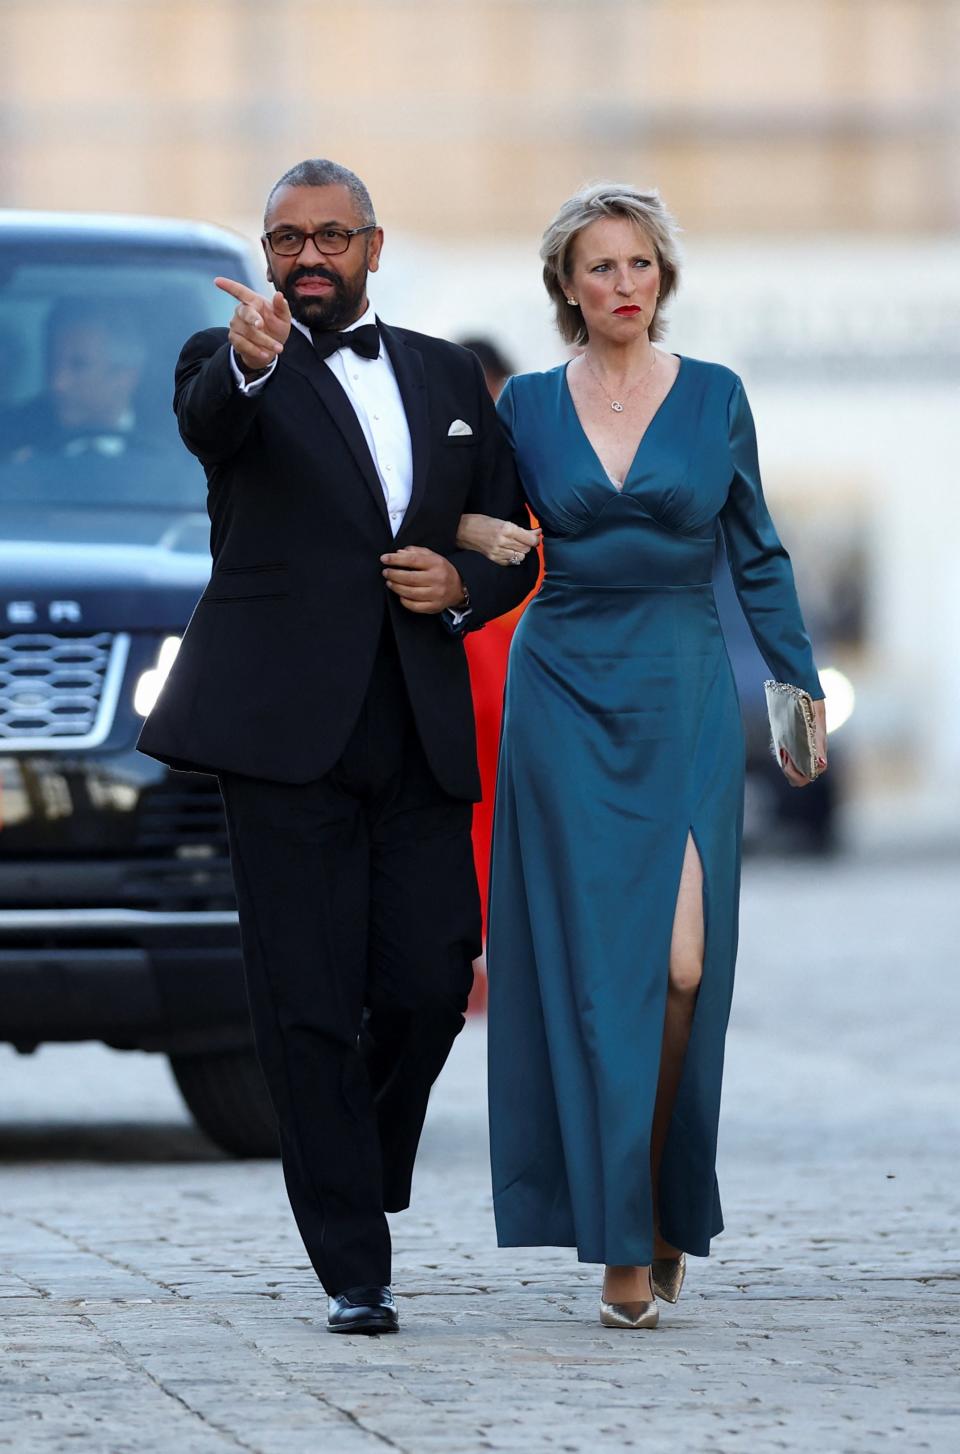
[334, 310]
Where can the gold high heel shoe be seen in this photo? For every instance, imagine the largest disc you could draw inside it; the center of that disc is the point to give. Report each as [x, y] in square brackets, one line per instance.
[629, 1315]
[667, 1274]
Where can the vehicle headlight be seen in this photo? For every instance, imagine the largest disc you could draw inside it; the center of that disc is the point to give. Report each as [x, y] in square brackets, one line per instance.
[150, 682]
[841, 698]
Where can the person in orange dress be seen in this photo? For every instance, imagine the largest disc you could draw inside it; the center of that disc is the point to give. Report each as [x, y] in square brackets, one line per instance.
[487, 653]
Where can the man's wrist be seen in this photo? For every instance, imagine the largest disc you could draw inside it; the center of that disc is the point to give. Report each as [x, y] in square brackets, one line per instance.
[249, 382]
[249, 372]
[458, 596]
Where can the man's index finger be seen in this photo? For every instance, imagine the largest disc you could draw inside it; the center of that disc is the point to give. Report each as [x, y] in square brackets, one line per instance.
[240, 291]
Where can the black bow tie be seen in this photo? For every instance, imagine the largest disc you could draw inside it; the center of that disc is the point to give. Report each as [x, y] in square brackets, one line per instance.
[364, 340]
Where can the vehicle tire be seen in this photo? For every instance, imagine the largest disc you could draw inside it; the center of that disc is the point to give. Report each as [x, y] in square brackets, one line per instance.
[228, 1097]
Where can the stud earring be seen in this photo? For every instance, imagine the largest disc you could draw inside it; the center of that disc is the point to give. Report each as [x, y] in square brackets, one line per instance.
[572, 302]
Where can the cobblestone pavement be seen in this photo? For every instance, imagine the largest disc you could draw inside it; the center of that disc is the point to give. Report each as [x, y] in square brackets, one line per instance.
[156, 1298]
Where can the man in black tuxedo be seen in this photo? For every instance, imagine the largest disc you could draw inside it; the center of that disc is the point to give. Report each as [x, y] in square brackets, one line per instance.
[323, 678]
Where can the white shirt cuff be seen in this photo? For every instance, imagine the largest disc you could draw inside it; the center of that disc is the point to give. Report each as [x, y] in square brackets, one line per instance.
[249, 386]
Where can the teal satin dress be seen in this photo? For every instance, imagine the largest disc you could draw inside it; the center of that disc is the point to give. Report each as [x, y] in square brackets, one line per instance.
[621, 736]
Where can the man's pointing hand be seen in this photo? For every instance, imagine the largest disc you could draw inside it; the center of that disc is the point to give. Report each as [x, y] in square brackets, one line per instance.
[259, 327]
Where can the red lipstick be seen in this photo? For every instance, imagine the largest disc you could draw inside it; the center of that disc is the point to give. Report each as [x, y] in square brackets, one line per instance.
[627, 311]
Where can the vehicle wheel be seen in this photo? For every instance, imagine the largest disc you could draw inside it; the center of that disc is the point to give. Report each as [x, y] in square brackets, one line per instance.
[227, 1095]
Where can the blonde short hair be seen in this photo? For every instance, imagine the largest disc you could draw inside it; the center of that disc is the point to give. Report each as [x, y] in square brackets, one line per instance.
[607, 199]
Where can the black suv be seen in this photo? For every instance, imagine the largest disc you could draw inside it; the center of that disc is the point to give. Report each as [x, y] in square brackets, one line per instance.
[117, 917]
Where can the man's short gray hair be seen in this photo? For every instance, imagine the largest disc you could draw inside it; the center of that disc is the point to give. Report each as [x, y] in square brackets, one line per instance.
[318, 172]
[607, 199]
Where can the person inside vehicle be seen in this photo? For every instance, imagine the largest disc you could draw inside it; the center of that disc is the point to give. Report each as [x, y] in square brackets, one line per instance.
[95, 357]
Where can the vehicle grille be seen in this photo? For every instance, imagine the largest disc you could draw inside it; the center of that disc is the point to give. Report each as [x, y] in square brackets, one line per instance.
[183, 819]
[59, 691]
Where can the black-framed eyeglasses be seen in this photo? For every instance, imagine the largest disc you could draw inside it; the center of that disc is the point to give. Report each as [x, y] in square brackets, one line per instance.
[290, 241]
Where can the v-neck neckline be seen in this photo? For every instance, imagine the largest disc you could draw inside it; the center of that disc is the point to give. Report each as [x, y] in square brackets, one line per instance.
[652, 420]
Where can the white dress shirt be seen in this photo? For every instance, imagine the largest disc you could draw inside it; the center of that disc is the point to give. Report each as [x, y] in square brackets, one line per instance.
[371, 386]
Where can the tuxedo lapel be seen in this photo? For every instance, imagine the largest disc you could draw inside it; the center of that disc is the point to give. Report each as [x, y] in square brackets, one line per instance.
[411, 380]
[300, 355]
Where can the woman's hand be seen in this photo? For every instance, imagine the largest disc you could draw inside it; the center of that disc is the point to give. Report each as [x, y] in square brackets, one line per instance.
[499, 540]
[794, 777]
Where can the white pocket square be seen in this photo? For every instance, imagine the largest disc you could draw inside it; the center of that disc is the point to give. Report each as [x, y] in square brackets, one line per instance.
[459, 426]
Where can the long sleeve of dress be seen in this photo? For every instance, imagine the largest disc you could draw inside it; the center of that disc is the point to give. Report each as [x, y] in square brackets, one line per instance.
[759, 564]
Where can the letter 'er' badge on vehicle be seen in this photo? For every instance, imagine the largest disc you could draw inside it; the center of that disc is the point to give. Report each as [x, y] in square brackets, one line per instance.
[25, 613]
[458, 427]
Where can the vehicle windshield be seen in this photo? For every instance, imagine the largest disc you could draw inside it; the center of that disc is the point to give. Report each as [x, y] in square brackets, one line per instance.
[88, 343]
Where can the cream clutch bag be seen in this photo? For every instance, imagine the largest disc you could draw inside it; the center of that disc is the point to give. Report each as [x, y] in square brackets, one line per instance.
[790, 710]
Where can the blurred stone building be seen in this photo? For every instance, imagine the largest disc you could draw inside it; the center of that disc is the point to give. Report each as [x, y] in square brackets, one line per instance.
[474, 117]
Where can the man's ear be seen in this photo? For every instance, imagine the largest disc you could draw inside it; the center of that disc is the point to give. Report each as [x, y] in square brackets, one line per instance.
[374, 248]
[267, 258]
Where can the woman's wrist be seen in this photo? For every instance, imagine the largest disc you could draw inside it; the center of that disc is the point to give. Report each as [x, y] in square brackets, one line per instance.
[470, 534]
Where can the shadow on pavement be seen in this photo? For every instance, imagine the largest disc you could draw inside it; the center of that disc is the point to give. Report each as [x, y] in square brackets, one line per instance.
[106, 1142]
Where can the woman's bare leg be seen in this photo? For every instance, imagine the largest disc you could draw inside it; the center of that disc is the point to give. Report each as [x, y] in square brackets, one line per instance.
[626, 1285]
[632, 1284]
[686, 971]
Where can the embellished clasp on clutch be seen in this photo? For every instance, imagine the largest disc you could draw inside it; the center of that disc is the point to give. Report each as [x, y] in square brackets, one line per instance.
[792, 725]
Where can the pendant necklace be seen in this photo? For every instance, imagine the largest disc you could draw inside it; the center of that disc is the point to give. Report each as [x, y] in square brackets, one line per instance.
[617, 404]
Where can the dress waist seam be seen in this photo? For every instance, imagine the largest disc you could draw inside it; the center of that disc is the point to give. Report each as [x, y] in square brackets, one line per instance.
[549, 584]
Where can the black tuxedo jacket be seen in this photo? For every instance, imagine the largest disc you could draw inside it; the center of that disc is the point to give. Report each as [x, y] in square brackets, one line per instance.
[278, 655]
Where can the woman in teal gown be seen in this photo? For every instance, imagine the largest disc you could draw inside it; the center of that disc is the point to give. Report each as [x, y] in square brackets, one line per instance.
[616, 849]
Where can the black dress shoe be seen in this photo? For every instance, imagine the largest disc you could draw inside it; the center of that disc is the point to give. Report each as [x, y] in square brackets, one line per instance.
[363, 1310]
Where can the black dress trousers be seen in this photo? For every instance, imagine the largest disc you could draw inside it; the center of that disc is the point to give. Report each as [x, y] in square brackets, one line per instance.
[360, 919]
